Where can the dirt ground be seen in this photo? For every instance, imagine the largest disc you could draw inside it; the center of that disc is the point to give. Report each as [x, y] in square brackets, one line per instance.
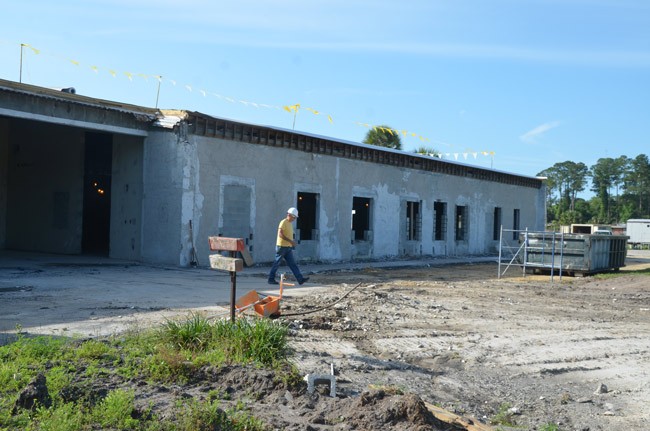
[573, 352]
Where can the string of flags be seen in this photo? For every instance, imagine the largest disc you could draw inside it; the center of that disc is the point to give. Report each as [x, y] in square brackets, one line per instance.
[456, 155]
[292, 109]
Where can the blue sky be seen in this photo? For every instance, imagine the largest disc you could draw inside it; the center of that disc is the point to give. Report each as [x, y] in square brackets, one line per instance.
[534, 82]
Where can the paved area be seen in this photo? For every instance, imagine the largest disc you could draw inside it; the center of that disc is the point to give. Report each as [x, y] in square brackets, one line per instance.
[94, 296]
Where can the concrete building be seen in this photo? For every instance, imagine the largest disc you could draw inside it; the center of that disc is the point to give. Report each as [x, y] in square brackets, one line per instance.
[82, 175]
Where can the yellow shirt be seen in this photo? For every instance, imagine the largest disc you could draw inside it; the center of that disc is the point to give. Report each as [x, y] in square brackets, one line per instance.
[287, 229]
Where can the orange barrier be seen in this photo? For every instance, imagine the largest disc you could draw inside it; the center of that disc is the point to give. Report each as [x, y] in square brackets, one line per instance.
[267, 306]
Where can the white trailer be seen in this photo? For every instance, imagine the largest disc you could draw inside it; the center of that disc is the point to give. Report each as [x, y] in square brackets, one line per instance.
[639, 232]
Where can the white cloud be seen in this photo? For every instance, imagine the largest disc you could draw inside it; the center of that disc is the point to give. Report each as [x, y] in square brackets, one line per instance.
[531, 136]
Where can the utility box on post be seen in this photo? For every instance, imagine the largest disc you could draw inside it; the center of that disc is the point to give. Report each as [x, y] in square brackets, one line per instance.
[231, 264]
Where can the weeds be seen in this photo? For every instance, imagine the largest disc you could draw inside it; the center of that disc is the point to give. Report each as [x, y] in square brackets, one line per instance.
[66, 417]
[504, 416]
[194, 334]
[636, 272]
[86, 378]
[115, 411]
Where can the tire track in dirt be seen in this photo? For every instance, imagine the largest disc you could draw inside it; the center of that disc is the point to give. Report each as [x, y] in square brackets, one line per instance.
[473, 344]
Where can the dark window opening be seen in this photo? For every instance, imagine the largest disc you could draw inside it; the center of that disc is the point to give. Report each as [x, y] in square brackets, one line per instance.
[515, 224]
[361, 217]
[496, 229]
[413, 221]
[98, 163]
[307, 222]
[440, 220]
[461, 223]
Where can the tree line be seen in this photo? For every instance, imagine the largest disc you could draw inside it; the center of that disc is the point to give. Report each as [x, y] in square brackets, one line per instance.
[621, 186]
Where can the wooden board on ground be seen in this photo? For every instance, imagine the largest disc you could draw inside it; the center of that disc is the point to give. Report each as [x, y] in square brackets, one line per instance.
[463, 423]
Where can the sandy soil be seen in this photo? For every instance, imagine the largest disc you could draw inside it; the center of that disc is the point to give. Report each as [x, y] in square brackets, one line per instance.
[573, 352]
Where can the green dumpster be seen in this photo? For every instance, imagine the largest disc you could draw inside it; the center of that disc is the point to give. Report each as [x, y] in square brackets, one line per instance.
[574, 254]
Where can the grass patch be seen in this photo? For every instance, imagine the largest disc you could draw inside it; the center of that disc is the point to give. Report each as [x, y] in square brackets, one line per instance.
[637, 272]
[90, 381]
[503, 416]
[116, 410]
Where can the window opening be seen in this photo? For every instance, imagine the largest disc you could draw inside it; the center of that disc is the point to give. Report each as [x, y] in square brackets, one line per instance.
[515, 223]
[307, 222]
[361, 217]
[440, 220]
[496, 229]
[461, 223]
[413, 221]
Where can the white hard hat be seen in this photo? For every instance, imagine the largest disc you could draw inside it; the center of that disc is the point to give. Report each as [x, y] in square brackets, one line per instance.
[293, 212]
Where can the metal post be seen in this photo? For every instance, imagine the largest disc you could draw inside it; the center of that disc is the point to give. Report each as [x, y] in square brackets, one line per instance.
[553, 258]
[525, 249]
[500, 246]
[561, 254]
[158, 92]
[233, 290]
[20, 77]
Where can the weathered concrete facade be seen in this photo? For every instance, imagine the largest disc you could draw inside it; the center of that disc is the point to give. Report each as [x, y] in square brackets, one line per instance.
[78, 175]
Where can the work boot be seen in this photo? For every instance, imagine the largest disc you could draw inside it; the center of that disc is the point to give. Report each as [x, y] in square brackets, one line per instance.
[303, 281]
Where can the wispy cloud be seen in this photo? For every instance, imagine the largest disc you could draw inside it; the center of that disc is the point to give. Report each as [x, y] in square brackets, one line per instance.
[531, 136]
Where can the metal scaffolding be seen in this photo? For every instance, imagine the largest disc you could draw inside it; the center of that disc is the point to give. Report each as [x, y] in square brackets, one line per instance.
[515, 245]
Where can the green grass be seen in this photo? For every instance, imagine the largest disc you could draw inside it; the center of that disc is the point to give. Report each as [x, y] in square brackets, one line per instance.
[637, 272]
[115, 411]
[503, 416]
[79, 374]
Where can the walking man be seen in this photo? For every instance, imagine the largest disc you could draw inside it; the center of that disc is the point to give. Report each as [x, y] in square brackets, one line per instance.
[284, 246]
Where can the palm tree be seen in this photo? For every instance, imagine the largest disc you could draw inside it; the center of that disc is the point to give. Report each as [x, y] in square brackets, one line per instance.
[383, 136]
[428, 151]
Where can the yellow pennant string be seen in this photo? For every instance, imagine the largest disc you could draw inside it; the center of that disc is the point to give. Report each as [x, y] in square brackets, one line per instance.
[34, 50]
[288, 108]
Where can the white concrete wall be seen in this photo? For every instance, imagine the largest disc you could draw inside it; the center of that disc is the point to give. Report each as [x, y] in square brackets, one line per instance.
[166, 181]
[126, 198]
[278, 174]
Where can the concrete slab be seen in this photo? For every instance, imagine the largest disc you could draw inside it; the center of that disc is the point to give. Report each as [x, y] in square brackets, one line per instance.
[95, 296]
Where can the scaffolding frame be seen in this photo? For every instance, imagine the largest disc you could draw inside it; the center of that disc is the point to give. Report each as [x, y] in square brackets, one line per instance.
[516, 250]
